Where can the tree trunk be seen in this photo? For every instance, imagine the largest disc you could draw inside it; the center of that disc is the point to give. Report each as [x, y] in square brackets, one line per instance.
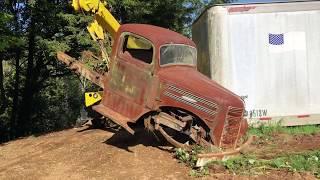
[15, 101]
[3, 100]
[24, 118]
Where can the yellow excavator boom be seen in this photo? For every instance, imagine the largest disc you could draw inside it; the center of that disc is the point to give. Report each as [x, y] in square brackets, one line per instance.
[104, 20]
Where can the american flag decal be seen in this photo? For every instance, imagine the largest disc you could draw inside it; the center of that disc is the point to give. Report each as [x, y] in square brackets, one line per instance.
[276, 39]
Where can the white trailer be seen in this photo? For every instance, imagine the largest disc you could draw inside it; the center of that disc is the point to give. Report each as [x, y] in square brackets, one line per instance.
[267, 53]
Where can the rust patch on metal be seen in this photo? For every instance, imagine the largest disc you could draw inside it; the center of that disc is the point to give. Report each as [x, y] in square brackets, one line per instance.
[114, 116]
[203, 159]
[232, 127]
[171, 140]
[81, 69]
[133, 88]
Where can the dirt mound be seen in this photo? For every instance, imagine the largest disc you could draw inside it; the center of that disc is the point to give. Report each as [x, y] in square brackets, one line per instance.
[97, 154]
[83, 154]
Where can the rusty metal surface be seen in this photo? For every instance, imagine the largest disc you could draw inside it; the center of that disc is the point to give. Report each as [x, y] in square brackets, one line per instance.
[81, 69]
[157, 35]
[171, 140]
[169, 121]
[185, 126]
[233, 151]
[114, 116]
[134, 88]
[130, 84]
[203, 159]
[232, 127]
[186, 88]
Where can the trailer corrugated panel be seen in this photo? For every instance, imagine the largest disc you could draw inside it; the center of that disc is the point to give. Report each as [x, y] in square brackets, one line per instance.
[267, 53]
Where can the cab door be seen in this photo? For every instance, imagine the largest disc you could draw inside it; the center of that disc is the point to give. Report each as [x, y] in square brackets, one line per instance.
[131, 76]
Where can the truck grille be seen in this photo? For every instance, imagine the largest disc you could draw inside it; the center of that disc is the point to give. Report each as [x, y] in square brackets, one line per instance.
[232, 127]
[191, 99]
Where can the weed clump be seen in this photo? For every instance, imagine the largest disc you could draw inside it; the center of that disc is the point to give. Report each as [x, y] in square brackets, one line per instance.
[307, 161]
[250, 164]
[299, 162]
[190, 158]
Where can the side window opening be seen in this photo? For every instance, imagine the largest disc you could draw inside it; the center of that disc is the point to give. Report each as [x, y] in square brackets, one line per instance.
[138, 48]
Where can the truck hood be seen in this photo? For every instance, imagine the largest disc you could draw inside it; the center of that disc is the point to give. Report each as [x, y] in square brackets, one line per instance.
[188, 78]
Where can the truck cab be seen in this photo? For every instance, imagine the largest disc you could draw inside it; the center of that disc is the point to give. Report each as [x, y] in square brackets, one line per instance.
[153, 76]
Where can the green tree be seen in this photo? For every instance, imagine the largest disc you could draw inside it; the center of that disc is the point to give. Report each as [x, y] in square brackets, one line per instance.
[176, 15]
[10, 45]
[39, 94]
[51, 28]
[42, 28]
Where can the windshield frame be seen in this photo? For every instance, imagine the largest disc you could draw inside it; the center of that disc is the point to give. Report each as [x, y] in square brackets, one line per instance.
[175, 64]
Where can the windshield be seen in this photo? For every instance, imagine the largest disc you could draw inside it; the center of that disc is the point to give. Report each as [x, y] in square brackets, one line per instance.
[178, 54]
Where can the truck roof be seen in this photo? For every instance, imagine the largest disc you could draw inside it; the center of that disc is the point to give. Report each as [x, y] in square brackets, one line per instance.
[157, 35]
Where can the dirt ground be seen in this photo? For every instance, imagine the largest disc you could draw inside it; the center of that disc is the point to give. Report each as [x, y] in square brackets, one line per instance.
[86, 153]
[284, 144]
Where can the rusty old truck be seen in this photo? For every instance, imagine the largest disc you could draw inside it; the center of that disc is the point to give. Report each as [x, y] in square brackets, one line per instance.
[152, 78]
[155, 80]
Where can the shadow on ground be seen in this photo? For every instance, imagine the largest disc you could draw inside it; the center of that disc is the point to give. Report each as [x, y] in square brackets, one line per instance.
[124, 139]
[90, 127]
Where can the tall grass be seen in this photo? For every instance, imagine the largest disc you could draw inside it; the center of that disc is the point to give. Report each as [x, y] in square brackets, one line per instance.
[249, 164]
[304, 130]
[264, 131]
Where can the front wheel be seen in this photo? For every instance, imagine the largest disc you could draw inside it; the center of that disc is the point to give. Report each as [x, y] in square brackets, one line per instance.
[180, 128]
